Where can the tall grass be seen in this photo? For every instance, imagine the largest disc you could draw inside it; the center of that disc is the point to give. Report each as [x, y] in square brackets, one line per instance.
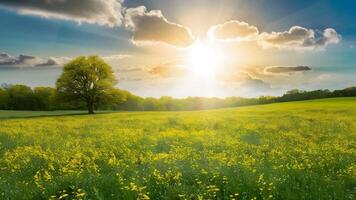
[303, 150]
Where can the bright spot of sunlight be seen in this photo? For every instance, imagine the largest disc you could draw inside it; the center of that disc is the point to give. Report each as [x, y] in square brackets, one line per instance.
[203, 60]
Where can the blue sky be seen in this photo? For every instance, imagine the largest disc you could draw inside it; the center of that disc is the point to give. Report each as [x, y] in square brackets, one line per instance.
[140, 61]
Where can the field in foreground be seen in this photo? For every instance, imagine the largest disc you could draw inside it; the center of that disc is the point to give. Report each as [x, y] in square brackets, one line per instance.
[7, 114]
[298, 150]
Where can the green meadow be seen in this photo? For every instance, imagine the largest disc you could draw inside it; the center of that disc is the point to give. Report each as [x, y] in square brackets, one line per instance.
[5, 114]
[296, 150]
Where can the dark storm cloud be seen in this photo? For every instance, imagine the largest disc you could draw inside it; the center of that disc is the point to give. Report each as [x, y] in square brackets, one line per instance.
[102, 12]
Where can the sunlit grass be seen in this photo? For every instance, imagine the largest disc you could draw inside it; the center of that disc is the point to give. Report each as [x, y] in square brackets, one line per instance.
[298, 150]
[7, 114]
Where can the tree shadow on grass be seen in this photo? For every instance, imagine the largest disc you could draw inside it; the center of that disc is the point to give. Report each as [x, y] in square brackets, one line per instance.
[84, 113]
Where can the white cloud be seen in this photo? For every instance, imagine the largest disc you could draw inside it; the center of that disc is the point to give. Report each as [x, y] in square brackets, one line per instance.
[169, 71]
[233, 31]
[116, 57]
[153, 27]
[7, 60]
[296, 38]
[243, 79]
[299, 38]
[102, 12]
[323, 77]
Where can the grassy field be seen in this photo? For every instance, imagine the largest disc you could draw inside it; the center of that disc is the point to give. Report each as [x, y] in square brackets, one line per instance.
[6, 114]
[297, 150]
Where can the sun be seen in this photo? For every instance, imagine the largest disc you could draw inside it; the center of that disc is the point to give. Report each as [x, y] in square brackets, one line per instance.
[203, 60]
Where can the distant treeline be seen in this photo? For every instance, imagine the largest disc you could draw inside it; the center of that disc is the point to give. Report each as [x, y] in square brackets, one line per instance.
[21, 97]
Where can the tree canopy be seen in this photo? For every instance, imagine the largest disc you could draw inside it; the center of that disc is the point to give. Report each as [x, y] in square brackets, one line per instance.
[86, 79]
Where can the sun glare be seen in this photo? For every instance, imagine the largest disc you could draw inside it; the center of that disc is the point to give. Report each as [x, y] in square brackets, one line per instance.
[203, 60]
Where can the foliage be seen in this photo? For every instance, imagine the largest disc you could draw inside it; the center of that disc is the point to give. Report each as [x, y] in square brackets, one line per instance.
[300, 150]
[45, 98]
[20, 97]
[3, 99]
[86, 79]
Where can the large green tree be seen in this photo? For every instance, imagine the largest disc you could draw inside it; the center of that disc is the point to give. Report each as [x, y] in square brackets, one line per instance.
[87, 79]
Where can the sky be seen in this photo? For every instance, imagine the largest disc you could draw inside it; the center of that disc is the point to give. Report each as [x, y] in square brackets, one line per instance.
[180, 48]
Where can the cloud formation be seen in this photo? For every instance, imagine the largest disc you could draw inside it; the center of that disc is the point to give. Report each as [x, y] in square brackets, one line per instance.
[300, 38]
[49, 62]
[7, 60]
[169, 71]
[277, 70]
[129, 69]
[243, 79]
[296, 38]
[153, 27]
[102, 12]
[116, 57]
[233, 30]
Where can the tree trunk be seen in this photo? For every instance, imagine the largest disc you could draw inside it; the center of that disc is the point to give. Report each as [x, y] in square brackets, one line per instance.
[90, 106]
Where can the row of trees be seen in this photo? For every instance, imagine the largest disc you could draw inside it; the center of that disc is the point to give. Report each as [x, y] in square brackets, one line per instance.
[88, 83]
[131, 102]
[21, 97]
